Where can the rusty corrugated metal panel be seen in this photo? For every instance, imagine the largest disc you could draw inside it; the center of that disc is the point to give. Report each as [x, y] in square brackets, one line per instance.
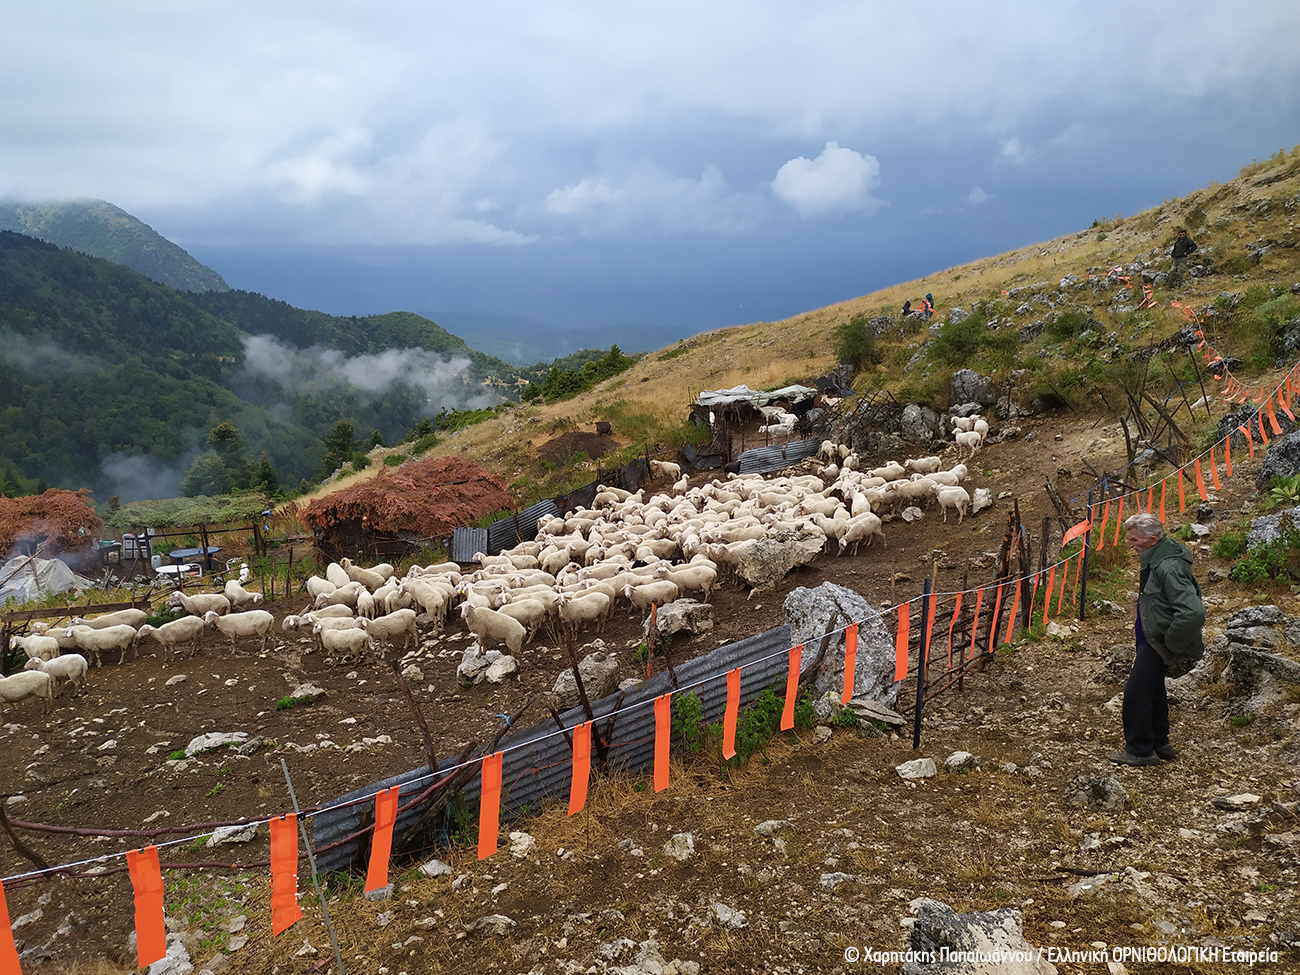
[520, 527]
[764, 460]
[468, 542]
[537, 766]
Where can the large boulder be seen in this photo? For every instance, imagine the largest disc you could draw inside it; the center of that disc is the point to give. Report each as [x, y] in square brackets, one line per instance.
[920, 424]
[994, 940]
[968, 386]
[1270, 528]
[809, 614]
[1282, 459]
[765, 563]
[682, 614]
[599, 677]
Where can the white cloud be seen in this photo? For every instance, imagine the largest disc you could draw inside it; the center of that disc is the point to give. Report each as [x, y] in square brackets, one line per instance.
[1013, 151]
[837, 182]
[977, 196]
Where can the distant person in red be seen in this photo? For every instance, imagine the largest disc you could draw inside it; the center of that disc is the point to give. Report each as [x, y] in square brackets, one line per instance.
[927, 306]
[1184, 247]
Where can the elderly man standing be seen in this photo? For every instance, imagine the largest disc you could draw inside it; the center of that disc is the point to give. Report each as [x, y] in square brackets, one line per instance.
[1168, 629]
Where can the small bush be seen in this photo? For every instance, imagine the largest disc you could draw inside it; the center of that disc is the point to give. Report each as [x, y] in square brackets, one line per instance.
[855, 342]
[164, 615]
[1067, 325]
[1273, 561]
[394, 460]
[287, 702]
[1230, 545]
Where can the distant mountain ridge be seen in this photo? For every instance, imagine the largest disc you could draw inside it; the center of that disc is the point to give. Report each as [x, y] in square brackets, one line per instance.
[100, 229]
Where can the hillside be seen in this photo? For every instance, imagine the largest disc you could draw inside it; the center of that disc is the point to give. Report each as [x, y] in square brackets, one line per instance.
[100, 229]
[113, 381]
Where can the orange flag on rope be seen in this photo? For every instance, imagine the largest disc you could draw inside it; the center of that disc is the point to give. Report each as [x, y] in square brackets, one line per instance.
[1272, 418]
[975, 622]
[900, 645]
[850, 662]
[1263, 434]
[1080, 528]
[1284, 402]
[8, 950]
[1214, 471]
[382, 843]
[285, 912]
[663, 736]
[581, 768]
[956, 610]
[1151, 498]
[1200, 481]
[1182, 500]
[150, 929]
[1011, 622]
[929, 626]
[1119, 520]
[1047, 600]
[1227, 454]
[1101, 535]
[729, 718]
[791, 688]
[1250, 442]
[993, 625]
[1065, 575]
[489, 805]
[1164, 483]
[1078, 571]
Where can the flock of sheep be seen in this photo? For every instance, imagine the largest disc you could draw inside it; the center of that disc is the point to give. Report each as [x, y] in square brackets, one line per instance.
[629, 548]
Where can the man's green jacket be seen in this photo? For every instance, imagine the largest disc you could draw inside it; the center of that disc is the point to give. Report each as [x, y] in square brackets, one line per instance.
[1170, 603]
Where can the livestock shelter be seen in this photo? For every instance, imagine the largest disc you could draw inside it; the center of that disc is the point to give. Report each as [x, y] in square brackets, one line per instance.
[57, 523]
[401, 510]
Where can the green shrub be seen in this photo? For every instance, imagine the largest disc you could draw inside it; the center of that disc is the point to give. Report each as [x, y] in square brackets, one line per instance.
[688, 722]
[1272, 561]
[1230, 545]
[424, 444]
[1284, 492]
[286, 702]
[394, 460]
[855, 342]
[959, 342]
[1066, 326]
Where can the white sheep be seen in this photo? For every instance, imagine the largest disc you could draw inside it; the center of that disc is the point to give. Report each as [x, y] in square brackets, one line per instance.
[317, 586]
[36, 646]
[240, 597]
[968, 441]
[864, 526]
[696, 577]
[532, 613]
[123, 617]
[200, 603]
[351, 643]
[662, 468]
[660, 592]
[953, 497]
[587, 607]
[487, 624]
[981, 427]
[25, 684]
[70, 667]
[367, 577]
[923, 465]
[255, 622]
[385, 629]
[92, 643]
[187, 629]
[336, 574]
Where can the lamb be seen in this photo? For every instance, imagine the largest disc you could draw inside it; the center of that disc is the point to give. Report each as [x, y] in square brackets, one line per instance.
[351, 643]
[256, 622]
[953, 497]
[863, 526]
[201, 604]
[123, 617]
[316, 586]
[25, 684]
[488, 624]
[663, 591]
[36, 647]
[662, 468]
[968, 441]
[70, 667]
[369, 578]
[240, 597]
[321, 623]
[532, 613]
[923, 465]
[187, 629]
[385, 628]
[681, 487]
[92, 642]
[981, 427]
[963, 424]
[583, 608]
[345, 595]
[336, 574]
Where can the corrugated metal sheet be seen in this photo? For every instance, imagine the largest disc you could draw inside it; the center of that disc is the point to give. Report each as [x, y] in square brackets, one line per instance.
[764, 460]
[468, 542]
[579, 497]
[537, 767]
[521, 527]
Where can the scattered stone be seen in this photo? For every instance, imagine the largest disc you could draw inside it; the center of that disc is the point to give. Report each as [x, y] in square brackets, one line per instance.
[1092, 792]
[822, 734]
[308, 690]
[233, 834]
[378, 896]
[384, 919]
[968, 386]
[306, 951]
[599, 677]
[681, 846]
[771, 827]
[175, 962]
[214, 740]
[1217, 574]
[522, 844]
[15, 800]
[1061, 630]
[682, 614]
[918, 768]
[728, 917]
[959, 762]
[766, 561]
[812, 612]
[830, 881]
[981, 499]
[497, 925]
[175, 678]
[939, 931]
[1235, 803]
[412, 672]
[912, 513]
[500, 669]
[434, 868]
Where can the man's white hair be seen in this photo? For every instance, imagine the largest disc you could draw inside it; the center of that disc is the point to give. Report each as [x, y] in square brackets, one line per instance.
[1146, 525]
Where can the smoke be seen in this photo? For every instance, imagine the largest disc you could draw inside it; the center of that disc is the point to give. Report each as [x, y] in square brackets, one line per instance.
[317, 370]
[137, 478]
[41, 357]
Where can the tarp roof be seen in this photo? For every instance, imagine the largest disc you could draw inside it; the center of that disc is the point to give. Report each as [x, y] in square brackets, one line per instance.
[754, 397]
[24, 579]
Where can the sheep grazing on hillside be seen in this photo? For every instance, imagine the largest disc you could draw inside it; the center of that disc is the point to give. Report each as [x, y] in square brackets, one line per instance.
[968, 442]
[70, 667]
[187, 629]
[240, 597]
[255, 622]
[123, 617]
[25, 684]
[953, 497]
[92, 643]
[387, 628]
[200, 603]
[662, 468]
[346, 643]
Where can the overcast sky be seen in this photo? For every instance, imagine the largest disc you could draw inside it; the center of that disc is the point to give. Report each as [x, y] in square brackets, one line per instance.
[668, 165]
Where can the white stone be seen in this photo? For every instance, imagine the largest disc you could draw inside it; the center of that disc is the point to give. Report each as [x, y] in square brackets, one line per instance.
[521, 844]
[680, 847]
[233, 834]
[434, 868]
[175, 679]
[214, 739]
[918, 768]
[500, 669]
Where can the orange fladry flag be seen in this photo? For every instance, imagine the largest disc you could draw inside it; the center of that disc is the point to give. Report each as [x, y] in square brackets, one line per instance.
[1200, 480]
[285, 911]
[1047, 600]
[993, 623]
[929, 626]
[663, 737]
[1250, 441]
[1227, 454]
[1284, 402]
[8, 949]
[1182, 500]
[1151, 498]
[1065, 577]
[150, 928]
[1075, 530]
[975, 621]
[1119, 521]
[581, 768]
[1214, 472]
[791, 687]
[1101, 535]
[900, 644]
[1263, 434]
[489, 807]
[729, 717]
[1011, 622]
[1164, 483]
[1272, 418]
[381, 846]
[850, 662]
[1078, 572]
[956, 611]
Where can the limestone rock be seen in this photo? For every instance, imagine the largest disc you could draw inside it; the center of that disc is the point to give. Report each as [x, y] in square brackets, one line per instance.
[765, 561]
[233, 834]
[175, 962]
[809, 614]
[968, 386]
[996, 935]
[1283, 457]
[920, 424]
[918, 768]
[1092, 792]
[434, 868]
[497, 925]
[681, 846]
[500, 669]
[214, 739]
[959, 762]
[599, 677]
[522, 844]
[770, 827]
[683, 614]
[982, 498]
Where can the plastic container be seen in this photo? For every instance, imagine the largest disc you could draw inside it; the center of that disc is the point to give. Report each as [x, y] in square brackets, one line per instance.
[156, 561]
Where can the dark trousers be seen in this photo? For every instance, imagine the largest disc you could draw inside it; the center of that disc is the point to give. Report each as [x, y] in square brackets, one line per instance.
[1146, 706]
